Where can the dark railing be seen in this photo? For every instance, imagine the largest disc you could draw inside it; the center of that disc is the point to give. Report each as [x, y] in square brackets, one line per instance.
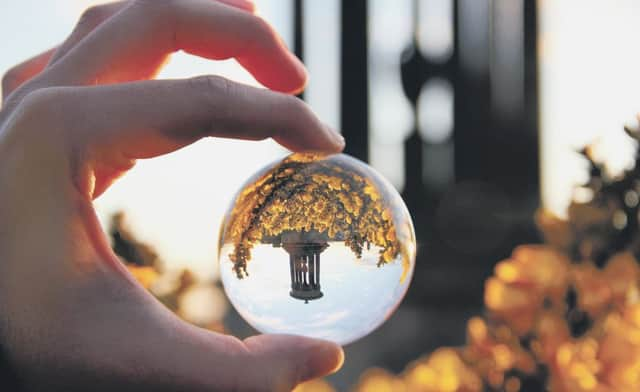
[354, 114]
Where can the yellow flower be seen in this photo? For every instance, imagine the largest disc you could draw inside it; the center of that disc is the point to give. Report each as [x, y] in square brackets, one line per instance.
[620, 349]
[594, 293]
[443, 371]
[622, 274]
[577, 366]
[494, 351]
[533, 276]
[379, 380]
[551, 332]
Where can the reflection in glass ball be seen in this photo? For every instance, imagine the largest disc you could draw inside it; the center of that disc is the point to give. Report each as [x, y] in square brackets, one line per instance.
[317, 246]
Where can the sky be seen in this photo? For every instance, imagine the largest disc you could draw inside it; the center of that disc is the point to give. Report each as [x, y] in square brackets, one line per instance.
[357, 295]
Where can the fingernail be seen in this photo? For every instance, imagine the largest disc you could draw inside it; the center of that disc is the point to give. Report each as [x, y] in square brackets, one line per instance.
[336, 137]
[251, 6]
[247, 5]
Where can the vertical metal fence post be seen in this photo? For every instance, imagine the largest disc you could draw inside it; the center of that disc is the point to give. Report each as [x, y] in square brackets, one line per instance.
[298, 32]
[354, 117]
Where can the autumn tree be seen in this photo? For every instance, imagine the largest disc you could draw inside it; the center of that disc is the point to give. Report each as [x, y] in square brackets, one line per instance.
[326, 199]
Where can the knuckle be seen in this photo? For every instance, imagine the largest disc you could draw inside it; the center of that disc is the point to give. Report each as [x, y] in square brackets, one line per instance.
[9, 79]
[213, 91]
[209, 83]
[161, 16]
[155, 3]
[91, 17]
[39, 100]
[41, 104]
[37, 120]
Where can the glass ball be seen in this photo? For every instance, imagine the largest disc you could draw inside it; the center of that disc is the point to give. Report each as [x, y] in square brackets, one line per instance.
[320, 246]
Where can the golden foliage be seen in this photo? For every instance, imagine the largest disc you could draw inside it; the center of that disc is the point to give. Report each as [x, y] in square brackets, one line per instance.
[442, 371]
[327, 196]
[145, 275]
[533, 276]
[526, 335]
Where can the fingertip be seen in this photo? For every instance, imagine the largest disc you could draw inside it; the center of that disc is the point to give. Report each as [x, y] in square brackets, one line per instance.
[291, 79]
[331, 142]
[335, 357]
[324, 359]
[300, 76]
[281, 71]
[337, 140]
[292, 76]
[250, 6]
[322, 142]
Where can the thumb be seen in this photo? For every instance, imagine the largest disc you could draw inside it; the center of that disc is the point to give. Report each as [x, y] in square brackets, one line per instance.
[280, 362]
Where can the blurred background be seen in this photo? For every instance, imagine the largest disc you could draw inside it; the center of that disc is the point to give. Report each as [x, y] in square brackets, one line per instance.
[473, 109]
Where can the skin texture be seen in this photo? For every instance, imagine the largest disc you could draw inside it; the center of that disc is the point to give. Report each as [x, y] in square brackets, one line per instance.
[73, 120]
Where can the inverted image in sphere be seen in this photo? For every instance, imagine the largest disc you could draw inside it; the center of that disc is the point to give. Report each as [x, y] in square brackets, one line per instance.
[320, 246]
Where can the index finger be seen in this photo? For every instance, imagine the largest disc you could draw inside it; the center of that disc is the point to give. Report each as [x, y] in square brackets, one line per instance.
[133, 44]
[112, 126]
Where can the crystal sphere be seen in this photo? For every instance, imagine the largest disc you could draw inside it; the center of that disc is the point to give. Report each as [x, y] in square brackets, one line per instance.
[320, 246]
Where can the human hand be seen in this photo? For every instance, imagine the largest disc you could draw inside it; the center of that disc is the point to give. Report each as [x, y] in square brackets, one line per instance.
[76, 118]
